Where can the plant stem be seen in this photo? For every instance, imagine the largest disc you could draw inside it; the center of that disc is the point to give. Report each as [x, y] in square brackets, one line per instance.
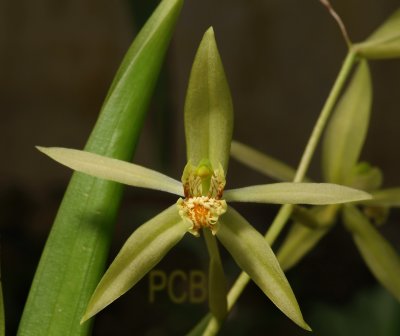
[286, 209]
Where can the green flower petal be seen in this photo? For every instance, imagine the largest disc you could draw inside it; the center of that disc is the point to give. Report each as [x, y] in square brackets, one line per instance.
[378, 254]
[253, 254]
[345, 134]
[113, 170]
[217, 288]
[303, 237]
[384, 42]
[262, 163]
[385, 197]
[141, 252]
[208, 107]
[296, 193]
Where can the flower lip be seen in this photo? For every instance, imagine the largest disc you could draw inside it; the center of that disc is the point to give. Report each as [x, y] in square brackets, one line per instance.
[203, 189]
[201, 212]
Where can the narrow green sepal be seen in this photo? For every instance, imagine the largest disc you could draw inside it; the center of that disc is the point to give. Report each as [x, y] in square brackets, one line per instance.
[217, 287]
[141, 252]
[253, 255]
[346, 131]
[113, 169]
[389, 197]
[262, 163]
[296, 193]
[208, 107]
[380, 257]
[305, 234]
[384, 42]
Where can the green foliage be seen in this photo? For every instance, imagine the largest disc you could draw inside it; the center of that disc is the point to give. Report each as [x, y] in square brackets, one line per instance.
[2, 317]
[76, 250]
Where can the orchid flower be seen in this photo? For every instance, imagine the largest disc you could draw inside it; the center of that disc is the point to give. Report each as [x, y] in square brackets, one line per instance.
[202, 207]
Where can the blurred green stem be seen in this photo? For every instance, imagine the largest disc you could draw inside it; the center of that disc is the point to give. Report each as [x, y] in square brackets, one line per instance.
[285, 211]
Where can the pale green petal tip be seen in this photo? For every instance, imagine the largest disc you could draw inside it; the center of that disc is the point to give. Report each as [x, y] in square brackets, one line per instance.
[42, 149]
[210, 33]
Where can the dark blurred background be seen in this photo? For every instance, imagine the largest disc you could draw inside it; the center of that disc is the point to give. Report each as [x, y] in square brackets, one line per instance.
[57, 59]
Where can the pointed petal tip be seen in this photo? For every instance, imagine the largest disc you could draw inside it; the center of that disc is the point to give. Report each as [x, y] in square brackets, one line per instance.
[306, 327]
[84, 318]
[210, 31]
[41, 149]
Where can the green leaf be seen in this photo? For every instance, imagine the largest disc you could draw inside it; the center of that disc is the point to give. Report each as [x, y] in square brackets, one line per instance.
[140, 253]
[2, 317]
[208, 107]
[384, 42]
[261, 162]
[253, 254]
[346, 132]
[385, 197]
[217, 288]
[378, 254]
[76, 250]
[296, 193]
[303, 237]
[113, 170]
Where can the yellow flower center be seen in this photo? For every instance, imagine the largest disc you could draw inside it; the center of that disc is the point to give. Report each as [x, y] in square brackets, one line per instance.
[201, 212]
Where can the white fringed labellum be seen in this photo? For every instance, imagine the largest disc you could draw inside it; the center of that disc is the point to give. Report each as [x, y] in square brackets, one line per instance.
[203, 188]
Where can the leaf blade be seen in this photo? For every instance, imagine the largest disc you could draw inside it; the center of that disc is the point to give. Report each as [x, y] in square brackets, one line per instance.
[2, 317]
[77, 247]
[140, 253]
[113, 170]
[253, 254]
[208, 107]
[296, 193]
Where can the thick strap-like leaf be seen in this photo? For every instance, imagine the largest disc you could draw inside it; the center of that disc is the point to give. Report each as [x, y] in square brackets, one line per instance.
[385, 197]
[378, 254]
[208, 107]
[113, 170]
[296, 193]
[2, 319]
[254, 256]
[345, 134]
[141, 252]
[384, 42]
[261, 162]
[77, 248]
